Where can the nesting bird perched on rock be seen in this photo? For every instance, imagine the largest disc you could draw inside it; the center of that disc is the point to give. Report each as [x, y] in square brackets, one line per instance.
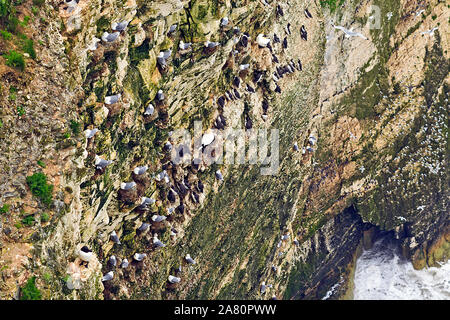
[109, 276]
[250, 88]
[236, 93]
[312, 140]
[114, 237]
[262, 40]
[147, 201]
[200, 186]
[160, 95]
[172, 29]
[189, 259]
[110, 37]
[140, 170]
[285, 43]
[219, 175]
[244, 40]
[112, 99]
[112, 261]
[139, 256]
[303, 33]
[243, 67]
[221, 101]
[90, 133]
[236, 82]
[280, 11]
[70, 5]
[144, 226]
[124, 264]
[85, 254]
[171, 195]
[94, 44]
[158, 218]
[184, 46]
[157, 242]
[173, 279]
[149, 110]
[276, 39]
[207, 138]
[127, 185]
[211, 47]
[248, 122]
[119, 26]
[224, 22]
[100, 163]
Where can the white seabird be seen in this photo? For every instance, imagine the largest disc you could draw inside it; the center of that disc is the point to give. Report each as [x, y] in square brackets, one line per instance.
[144, 226]
[140, 170]
[162, 175]
[219, 175]
[244, 66]
[160, 95]
[166, 54]
[263, 287]
[158, 218]
[149, 110]
[127, 185]
[262, 41]
[429, 32]
[119, 26]
[108, 276]
[90, 133]
[349, 33]
[419, 12]
[160, 59]
[189, 259]
[101, 163]
[110, 37]
[71, 5]
[158, 242]
[85, 254]
[124, 263]
[114, 237]
[172, 28]
[112, 99]
[207, 139]
[94, 44]
[147, 201]
[184, 46]
[112, 261]
[224, 21]
[173, 279]
[209, 44]
[139, 256]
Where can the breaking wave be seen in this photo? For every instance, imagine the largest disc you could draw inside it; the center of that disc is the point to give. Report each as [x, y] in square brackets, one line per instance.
[382, 274]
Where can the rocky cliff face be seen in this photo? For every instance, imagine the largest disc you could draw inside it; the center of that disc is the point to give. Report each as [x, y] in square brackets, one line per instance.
[377, 108]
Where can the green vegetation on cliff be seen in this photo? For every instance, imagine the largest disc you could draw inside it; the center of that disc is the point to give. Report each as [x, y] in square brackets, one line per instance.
[40, 188]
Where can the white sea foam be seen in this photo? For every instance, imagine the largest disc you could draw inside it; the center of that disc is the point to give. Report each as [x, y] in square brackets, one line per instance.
[381, 274]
